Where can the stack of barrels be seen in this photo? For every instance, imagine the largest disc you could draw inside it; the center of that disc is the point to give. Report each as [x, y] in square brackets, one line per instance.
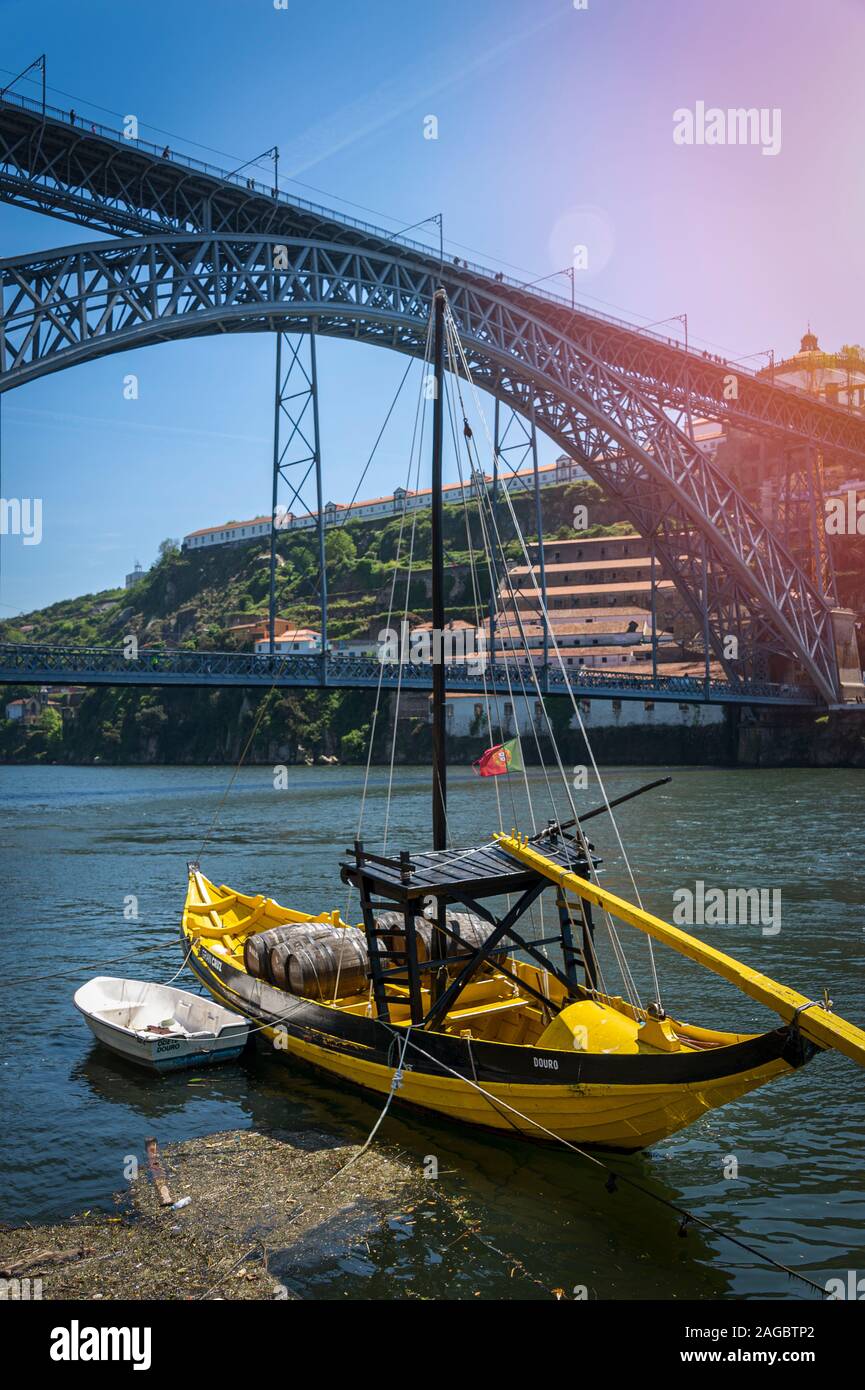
[313, 959]
[320, 961]
[471, 930]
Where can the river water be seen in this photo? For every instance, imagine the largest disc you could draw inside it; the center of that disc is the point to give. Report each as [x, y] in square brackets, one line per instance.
[80, 844]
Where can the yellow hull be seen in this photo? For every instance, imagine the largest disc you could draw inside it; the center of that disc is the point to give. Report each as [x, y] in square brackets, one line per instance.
[541, 1093]
[610, 1116]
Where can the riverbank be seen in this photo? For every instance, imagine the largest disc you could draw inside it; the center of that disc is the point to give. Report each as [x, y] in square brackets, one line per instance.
[251, 1203]
[745, 737]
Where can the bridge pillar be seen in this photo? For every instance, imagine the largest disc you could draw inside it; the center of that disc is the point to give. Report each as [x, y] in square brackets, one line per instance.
[516, 445]
[851, 686]
[297, 461]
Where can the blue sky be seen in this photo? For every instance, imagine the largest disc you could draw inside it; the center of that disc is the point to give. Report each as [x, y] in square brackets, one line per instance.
[554, 127]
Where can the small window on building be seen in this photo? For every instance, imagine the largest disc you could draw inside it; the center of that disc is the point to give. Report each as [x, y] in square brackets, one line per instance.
[649, 705]
[617, 707]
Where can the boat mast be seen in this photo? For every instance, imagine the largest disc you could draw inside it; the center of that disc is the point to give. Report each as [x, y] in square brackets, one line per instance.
[439, 788]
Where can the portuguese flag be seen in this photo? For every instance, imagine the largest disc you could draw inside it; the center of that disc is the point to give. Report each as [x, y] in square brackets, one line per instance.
[504, 757]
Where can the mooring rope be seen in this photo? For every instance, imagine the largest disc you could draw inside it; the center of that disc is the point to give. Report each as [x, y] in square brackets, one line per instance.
[396, 1082]
[614, 1177]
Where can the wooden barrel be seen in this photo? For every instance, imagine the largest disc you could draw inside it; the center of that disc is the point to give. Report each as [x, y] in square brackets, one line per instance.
[257, 949]
[472, 930]
[280, 954]
[393, 924]
[315, 969]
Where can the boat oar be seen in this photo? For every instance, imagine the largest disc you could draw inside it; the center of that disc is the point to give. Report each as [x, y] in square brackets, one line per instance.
[814, 1021]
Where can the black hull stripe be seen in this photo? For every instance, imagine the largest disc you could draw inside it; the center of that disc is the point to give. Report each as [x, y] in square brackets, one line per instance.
[501, 1063]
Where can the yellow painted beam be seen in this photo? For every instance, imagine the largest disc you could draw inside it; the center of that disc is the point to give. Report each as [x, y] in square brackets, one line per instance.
[818, 1024]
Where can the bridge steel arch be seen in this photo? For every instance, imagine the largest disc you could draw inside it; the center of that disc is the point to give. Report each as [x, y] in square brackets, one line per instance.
[77, 303]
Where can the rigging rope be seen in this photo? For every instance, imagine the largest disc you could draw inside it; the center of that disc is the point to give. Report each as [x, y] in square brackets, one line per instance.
[466, 371]
[497, 546]
[418, 418]
[479, 489]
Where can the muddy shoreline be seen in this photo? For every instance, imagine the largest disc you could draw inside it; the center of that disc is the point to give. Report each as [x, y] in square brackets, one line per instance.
[254, 1198]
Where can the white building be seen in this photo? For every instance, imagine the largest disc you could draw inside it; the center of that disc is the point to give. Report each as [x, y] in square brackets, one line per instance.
[301, 639]
[564, 470]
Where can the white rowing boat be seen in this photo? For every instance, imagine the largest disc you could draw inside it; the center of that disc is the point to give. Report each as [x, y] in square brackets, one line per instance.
[159, 1027]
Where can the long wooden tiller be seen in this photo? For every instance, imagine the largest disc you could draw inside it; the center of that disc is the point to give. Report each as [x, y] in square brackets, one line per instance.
[816, 1023]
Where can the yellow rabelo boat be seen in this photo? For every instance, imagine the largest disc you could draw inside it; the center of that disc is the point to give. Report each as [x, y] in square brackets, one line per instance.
[440, 998]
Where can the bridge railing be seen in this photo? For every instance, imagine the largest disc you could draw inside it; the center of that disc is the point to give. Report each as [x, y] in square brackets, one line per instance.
[27, 663]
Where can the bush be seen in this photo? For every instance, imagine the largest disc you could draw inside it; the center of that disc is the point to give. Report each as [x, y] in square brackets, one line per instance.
[353, 745]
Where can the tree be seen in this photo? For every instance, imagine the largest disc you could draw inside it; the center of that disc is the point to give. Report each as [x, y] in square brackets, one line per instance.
[168, 548]
[353, 745]
[50, 726]
[340, 550]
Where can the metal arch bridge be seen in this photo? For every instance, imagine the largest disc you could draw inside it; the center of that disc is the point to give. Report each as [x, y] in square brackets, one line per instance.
[52, 665]
[215, 254]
